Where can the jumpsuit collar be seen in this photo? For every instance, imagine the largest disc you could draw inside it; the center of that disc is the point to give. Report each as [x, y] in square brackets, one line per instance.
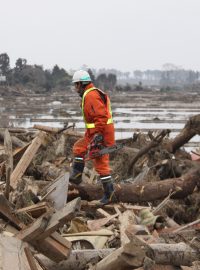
[90, 85]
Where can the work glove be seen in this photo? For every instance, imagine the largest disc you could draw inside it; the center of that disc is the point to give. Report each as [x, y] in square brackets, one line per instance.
[95, 144]
[97, 139]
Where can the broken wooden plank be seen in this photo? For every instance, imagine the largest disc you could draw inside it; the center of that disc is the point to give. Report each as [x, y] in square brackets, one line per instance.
[26, 159]
[7, 188]
[171, 223]
[9, 161]
[18, 153]
[96, 224]
[57, 191]
[176, 237]
[30, 259]
[15, 141]
[59, 218]
[188, 225]
[33, 230]
[8, 149]
[127, 219]
[102, 212]
[54, 247]
[35, 210]
[7, 210]
[49, 223]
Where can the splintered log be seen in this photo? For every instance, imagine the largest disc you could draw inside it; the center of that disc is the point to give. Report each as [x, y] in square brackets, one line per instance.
[133, 193]
[133, 255]
[78, 259]
[175, 254]
[191, 128]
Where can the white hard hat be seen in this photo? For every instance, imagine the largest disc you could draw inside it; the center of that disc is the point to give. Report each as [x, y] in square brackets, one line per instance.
[81, 76]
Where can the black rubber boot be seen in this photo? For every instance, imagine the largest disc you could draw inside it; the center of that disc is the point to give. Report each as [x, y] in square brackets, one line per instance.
[77, 170]
[108, 196]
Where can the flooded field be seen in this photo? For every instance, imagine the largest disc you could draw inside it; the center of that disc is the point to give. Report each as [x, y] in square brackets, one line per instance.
[132, 112]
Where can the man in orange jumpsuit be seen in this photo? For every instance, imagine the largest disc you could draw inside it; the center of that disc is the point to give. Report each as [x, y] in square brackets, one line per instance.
[97, 115]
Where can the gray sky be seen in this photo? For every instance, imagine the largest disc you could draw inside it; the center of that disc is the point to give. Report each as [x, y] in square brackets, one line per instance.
[126, 35]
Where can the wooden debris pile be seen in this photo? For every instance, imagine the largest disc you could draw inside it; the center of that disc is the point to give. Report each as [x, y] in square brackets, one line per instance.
[48, 223]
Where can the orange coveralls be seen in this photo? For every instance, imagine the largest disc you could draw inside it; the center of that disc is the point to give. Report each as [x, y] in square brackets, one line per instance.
[96, 110]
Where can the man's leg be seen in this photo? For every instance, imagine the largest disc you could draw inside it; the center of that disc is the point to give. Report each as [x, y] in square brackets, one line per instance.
[102, 167]
[79, 150]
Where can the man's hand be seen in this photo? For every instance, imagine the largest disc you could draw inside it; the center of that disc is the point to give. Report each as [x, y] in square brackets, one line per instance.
[94, 146]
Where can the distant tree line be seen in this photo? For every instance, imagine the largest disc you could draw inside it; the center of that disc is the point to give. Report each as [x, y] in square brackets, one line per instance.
[170, 75]
[36, 78]
[104, 81]
[33, 76]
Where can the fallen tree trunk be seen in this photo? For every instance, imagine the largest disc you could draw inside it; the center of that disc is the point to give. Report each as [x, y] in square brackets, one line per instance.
[133, 193]
[191, 129]
[175, 254]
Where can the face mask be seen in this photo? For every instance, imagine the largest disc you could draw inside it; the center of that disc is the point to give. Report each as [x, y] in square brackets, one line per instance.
[80, 92]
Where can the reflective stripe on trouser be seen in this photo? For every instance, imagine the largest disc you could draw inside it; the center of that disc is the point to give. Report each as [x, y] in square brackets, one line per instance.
[105, 179]
[101, 164]
[79, 159]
